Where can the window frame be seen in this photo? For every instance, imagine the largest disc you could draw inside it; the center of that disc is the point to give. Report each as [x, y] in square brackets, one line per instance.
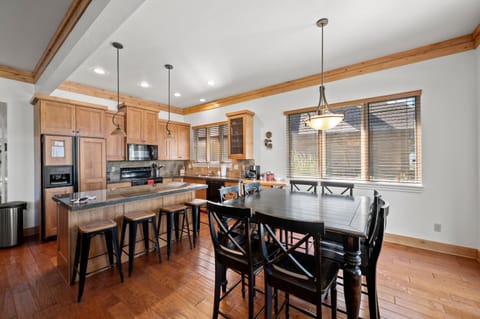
[364, 139]
[207, 141]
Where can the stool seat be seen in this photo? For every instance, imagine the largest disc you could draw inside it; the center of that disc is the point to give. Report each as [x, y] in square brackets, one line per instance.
[136, 216]
[96, 226]
[173, 208]
[196, 202]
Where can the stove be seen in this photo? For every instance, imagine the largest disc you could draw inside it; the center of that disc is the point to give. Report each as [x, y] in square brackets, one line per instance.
[140, 175]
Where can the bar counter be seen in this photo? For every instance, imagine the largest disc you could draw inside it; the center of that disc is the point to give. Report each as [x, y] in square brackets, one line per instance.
[110, 204]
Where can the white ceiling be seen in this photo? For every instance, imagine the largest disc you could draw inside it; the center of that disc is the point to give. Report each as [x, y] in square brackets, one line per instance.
[26, 28]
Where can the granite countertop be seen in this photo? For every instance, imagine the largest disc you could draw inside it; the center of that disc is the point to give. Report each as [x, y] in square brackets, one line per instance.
[121, 195]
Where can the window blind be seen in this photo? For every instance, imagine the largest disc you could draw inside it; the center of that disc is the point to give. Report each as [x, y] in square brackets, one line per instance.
[303, 146]
[210, 144]
[392, 140]
[200, 144]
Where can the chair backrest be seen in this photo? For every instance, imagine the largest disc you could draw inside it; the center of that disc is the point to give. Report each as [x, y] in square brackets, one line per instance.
[251, 188]
[337, 188]
[297, 185]
[286, 267]
[376, 241]
[231, 233]
[229, 192]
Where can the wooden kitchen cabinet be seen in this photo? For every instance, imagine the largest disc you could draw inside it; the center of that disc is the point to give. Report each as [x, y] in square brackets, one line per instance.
[141, 126]
[115, 144]
[92, 168]
[49, 216]
[64, 117]
[240, 134]
[201, 193]
[177, 148]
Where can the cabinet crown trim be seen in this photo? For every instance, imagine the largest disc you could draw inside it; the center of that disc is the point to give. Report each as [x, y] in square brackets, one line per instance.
[238, 113]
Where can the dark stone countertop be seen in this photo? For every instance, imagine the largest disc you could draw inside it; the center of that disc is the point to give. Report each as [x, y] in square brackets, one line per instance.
[122, 195]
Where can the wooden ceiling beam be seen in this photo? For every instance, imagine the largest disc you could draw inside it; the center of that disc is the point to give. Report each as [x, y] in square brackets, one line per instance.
[16, 74]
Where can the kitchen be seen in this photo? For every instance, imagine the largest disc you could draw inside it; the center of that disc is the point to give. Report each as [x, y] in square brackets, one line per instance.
[408, 203]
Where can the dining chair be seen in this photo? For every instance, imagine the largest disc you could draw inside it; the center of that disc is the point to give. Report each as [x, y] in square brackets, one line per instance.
[234, 250]
[298, 185]
[308, 277]
[251, 188]
[337, 188]
[370, 251]
[229, 192]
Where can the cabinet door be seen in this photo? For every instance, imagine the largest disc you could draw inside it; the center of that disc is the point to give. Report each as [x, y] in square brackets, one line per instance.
[134, 125]
[235, 137]
[172, 143]
[49, 216]
[89, 121]
[183, 142]
[115, 143]
[201, 193]
[57, 150]
[57, 118]
[92, 164]
[162, 141]
[149, 127]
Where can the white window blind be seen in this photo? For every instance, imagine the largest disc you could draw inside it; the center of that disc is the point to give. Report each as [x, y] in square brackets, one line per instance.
[378, 140]
[210, 144]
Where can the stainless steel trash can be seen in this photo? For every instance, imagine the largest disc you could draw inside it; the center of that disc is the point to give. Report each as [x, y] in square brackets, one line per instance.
[11, 223]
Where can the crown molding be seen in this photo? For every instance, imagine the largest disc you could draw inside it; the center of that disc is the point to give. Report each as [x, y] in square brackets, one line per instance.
[16, 74]
[110, 95]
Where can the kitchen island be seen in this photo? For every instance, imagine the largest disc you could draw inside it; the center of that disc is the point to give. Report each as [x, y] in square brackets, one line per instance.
[110, 204]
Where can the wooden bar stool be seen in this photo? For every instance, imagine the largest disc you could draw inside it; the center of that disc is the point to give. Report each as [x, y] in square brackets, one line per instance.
[172, 214]
[195, 205]
[84, 235]
[133, 219]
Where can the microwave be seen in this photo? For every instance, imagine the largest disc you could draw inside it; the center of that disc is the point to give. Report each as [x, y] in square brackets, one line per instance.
[142, 152]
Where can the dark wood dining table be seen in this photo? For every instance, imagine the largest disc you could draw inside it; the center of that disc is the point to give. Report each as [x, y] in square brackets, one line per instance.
[345, 216]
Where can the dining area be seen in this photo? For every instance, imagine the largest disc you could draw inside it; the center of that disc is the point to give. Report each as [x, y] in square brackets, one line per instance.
[303, 241]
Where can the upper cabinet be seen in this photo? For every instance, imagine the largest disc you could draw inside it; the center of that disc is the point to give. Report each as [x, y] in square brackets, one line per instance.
[115, 144]
[177, 148]
[64, 118]
[240, 134]
[141, 126]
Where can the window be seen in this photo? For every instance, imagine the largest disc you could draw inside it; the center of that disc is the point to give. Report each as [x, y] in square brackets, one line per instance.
[210, 143]
[378, 140]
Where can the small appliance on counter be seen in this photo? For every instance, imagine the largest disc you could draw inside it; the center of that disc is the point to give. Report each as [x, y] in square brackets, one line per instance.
[253, 171]
[139, 175]
[156, 170]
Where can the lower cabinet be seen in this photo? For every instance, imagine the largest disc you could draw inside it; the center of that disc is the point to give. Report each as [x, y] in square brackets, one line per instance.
[49, 216]
[201, 193]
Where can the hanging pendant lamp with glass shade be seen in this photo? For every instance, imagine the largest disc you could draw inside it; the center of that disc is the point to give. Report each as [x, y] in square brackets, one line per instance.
[118, 131]
[170, 136]
[323, 119]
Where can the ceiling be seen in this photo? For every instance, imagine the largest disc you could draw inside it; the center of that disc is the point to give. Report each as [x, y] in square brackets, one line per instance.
[240, 45]
[26, 28]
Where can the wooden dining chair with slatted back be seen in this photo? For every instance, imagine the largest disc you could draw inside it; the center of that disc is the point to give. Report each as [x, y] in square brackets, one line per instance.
[337, 188]
[229, 192]
[234, 251]
[306, 276]
[251, 188]
[370, 251]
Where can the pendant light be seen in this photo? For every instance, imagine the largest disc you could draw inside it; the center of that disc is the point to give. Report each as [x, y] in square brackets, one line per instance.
[170, 136]
[324, 119]
[118, 131]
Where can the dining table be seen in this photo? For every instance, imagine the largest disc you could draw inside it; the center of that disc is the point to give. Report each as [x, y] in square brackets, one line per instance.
[346, 216]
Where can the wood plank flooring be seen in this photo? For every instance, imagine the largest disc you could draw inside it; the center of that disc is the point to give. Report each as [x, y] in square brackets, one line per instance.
[412, 283]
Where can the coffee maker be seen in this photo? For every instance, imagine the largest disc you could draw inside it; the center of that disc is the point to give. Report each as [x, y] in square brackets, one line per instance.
[254, 171]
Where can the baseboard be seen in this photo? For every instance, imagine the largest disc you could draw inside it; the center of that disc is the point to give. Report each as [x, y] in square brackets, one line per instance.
[32, 231]
[434, 246]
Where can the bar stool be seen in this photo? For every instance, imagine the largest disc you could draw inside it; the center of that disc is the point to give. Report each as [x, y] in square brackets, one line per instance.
[133, 219]
[84, 235]
[195, 205]
[172, 214]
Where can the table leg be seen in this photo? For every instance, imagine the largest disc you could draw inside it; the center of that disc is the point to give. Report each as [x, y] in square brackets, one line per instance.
[352, 276]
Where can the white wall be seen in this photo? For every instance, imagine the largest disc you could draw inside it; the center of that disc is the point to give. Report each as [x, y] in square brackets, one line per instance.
[477, 85]
[449, 140]
[20, 168]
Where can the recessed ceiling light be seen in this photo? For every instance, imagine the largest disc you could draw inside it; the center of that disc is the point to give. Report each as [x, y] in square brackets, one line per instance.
[177, 94]
[144, 84]
[99, 70]
[211, 83]
[202, 100]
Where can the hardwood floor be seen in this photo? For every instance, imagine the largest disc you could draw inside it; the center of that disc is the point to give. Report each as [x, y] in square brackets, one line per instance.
[412, 283]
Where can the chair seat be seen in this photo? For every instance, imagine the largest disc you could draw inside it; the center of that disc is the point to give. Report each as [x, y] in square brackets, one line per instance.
[139, 215]
[172, 208]
[98, 225]
[196, 202]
